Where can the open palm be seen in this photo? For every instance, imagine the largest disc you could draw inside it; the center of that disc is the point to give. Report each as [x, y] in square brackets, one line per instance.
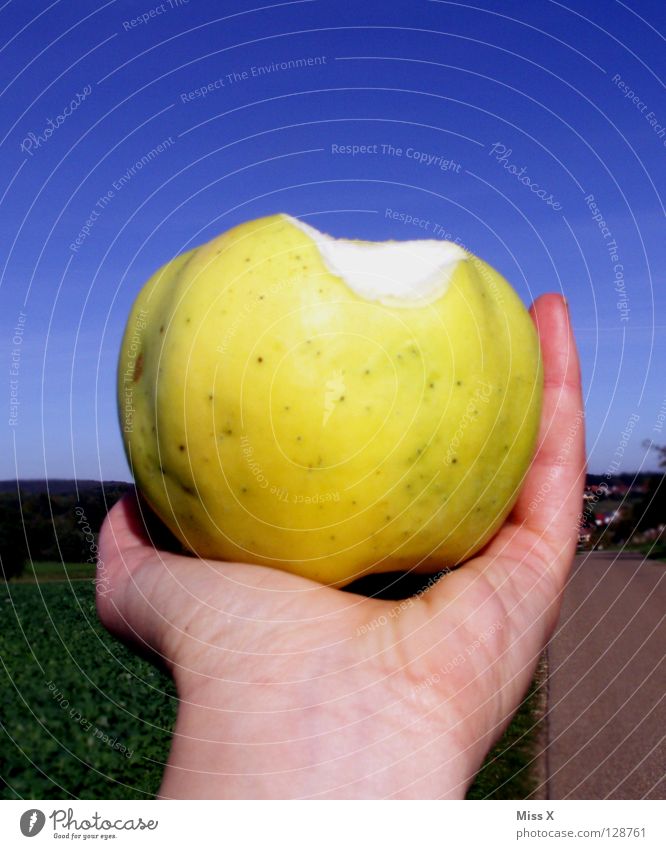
[289, 689]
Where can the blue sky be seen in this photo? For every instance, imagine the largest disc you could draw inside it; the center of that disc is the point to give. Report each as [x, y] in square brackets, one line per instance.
[566, 96]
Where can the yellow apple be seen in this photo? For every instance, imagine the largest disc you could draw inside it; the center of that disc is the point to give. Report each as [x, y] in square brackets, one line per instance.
[327, 406]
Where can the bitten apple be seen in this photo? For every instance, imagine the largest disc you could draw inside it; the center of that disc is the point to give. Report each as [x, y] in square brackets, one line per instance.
[327, 406]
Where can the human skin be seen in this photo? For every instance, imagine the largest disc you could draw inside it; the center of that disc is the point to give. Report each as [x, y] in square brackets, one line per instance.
[291, 689]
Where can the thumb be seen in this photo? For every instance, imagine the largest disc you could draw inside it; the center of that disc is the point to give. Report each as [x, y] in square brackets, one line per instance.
[130, 567]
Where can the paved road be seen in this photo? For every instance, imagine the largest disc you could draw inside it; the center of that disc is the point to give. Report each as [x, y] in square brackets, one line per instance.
[607, 691]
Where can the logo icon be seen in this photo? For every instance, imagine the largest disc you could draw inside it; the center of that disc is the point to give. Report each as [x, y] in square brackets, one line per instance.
[32, 822]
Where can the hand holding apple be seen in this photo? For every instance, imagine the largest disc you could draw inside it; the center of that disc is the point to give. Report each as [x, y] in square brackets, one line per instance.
[284, 691]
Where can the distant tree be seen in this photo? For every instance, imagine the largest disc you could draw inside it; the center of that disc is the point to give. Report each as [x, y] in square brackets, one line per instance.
[39, 527]
[13, 549]
[95, 505]
[58, 526]
[660, 449]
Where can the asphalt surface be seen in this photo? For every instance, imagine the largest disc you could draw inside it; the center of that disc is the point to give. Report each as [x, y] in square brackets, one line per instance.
[607, 689]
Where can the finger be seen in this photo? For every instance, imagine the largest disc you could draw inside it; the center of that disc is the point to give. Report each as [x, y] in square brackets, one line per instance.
[146, 595]
[124, 544]
[546, 517]
[123, 528]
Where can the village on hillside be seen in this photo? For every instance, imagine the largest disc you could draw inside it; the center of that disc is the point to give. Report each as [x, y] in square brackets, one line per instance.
[42, 520]
[624, 512]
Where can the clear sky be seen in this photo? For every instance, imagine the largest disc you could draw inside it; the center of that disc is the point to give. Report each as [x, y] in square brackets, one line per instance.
[487, 104]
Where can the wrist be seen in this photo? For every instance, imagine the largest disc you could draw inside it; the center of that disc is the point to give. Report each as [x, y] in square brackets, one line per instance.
[239, 741]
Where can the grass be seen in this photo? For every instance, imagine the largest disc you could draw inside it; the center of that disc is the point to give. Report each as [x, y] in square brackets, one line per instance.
[513, 769]
[80, 716]
[654, 550]
[83, 717]
[50, 570]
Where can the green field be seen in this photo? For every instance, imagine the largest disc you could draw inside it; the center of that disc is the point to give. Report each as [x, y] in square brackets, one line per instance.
[82, 717]
[512, 770]
[49, 570]
[654, 550]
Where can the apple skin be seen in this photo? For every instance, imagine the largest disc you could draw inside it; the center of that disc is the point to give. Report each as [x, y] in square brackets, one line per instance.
[272, 415]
